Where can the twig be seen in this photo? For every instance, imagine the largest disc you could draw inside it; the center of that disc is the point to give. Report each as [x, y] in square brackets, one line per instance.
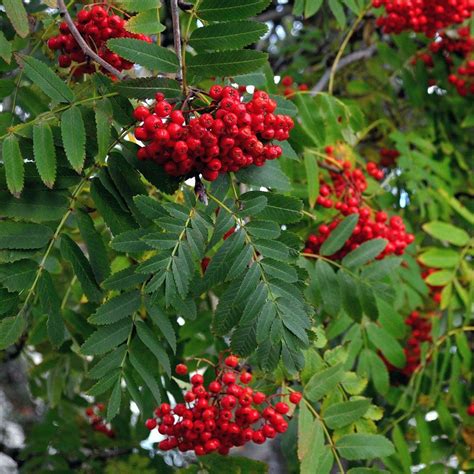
[274, 14]
[343, 46]
[345, 61]
[82, 43]
[177, 37]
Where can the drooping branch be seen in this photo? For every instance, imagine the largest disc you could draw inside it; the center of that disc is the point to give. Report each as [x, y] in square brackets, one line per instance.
[345, 61]
[63, 11]
[177, 37]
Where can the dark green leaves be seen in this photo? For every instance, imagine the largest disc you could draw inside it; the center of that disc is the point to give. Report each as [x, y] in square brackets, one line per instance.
[387, 344]
[345, 413]
[13, 162]
[323, 382]
[10, 330]
[339, 235]
[149, 55]
[17, 235]
[227, 63]
[42, 76]
[45, 154]
[117, 308]
[146, 87]
[227, 36]
[107, 338]
[365, 253]
[16, 13]
[74, 137]
[216, 10]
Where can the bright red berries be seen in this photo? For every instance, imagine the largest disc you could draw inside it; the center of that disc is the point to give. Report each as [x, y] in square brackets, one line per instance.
[221, 417]
[97, 25]
[295, 397]
[422, 16]
[181, 369]
[345, 194]
[96, 420]
[470, 409]
[230, 135]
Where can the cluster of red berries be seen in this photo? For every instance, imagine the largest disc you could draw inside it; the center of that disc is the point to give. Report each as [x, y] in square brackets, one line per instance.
[422, 16]
[388, 157]
[231, 135]
[344, 193]
[96, 420]
[470, 409]
[456, 49]
[290, 88]
[221, 416]
[374, 170]
[96, 26]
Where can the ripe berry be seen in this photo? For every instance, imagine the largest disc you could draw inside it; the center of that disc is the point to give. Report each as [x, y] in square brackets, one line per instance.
[141, 113]
[150, 423]
[232, 361]
[197, 379]
[470, 409]
[245, 377]
[282, 408]
[295, 397]
[228, 378]
[181, 369]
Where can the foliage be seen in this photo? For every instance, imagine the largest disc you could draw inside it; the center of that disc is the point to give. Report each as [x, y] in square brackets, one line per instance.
[103, 287]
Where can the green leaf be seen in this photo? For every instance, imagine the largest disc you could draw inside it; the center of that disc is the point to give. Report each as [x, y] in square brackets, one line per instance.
[107, 338]
[150, 340]
[378, 371]
[364, 446]
[321, 383]
[364, 253]
[310, 441]
[109, 362]
[270, 176]
[338, 12]
[280, 270]
[345, 413]
[81, 266]
[73, 135]
[50, 304]
[146, 375]
[139, 5]
[13, 162]
[312, 7]
[440, 258]
[146, 87]
[227, 36]
[103, 120]
[281, 209]
[105, 383]
[312, 178]
[8, 301]
[160, 319]
[387, 344]
[131, 241]
[448, 232]
[146, 23]
[113, 406]
[272, 249]
[440, 278]
[148, 55]
[402, 448]
[45, 153]
[19, 275]
[216, 10]
[328, 285]
[338, 237]
[5, 48]
[10, 330]
[366, 470]
[228, 63]
[42, 76]
[350, 301]
[117, 308]
[18, 235]
[95, 246]
[18, 17]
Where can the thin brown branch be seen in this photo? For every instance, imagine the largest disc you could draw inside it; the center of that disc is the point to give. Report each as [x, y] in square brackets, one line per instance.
[177, 37]
[275, 13]
[63, 11]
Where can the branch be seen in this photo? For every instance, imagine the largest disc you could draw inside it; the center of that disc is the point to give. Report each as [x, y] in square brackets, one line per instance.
[345, 61]
[82, 43]
[275, 14]
[177, 37]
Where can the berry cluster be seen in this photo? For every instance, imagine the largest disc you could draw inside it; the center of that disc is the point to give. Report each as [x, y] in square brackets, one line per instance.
[388, 157]
[422, 16]
[231, 135]
[435, 291]
[455, 49]
[96, 26]
[290, 88]
[470, 409]
[374, 171]
[344, 193]
[221, 416]
[96, 420]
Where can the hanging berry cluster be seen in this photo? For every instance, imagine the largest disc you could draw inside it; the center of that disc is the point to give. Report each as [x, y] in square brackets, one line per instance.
[289, 88]
[422, 16]
[456, 50]
[96, 25]
[96, 420]
[231, 134]
[345, 194]
[435, 291]
[388, 157]
[223, 415]
[470, 409]
[420, 332]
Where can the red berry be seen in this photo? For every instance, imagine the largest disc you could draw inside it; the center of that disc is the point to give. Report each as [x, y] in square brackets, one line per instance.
[232, 360]
[150, 423]
[282, 408]
[295, 397]
[181, 369]
[197, 379]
